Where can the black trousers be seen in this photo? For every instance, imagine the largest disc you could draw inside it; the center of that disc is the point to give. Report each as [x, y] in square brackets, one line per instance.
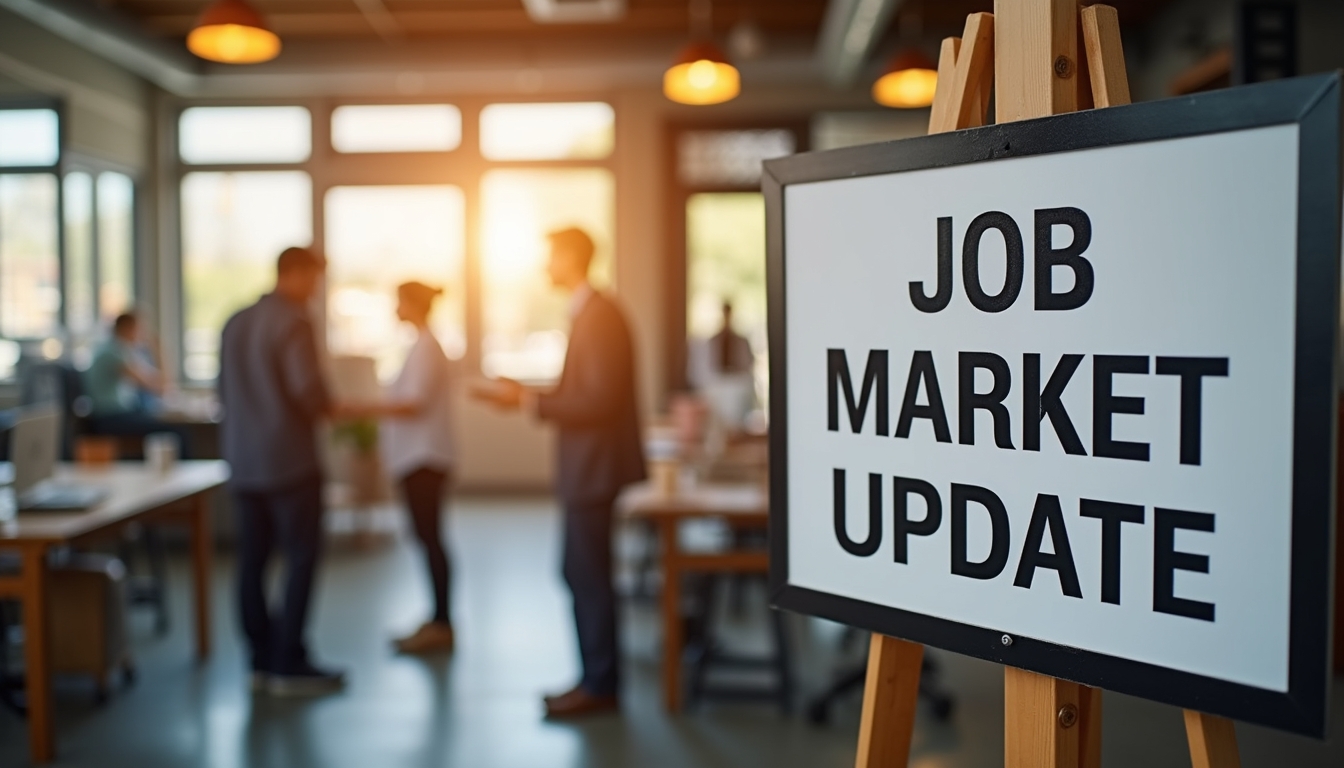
[289, 519]
[422, 491]
[587, 567]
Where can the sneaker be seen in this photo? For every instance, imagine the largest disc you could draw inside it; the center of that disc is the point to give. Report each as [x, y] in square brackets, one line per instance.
[432, 637]
[306, 680]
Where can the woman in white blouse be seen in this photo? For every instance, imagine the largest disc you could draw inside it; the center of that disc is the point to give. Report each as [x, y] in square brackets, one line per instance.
[415, 435]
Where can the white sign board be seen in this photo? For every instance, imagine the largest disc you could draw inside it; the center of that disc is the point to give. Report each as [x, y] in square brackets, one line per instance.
[1056, 398]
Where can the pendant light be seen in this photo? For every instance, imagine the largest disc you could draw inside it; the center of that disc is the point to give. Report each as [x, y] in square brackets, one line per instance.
[701, 73]
[908, 82]
[233, 32]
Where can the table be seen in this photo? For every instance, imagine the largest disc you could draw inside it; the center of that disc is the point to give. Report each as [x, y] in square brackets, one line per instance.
[743, 506]
[135, 493]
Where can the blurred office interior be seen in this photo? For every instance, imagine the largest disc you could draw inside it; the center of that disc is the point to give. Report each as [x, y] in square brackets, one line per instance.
[441, 141]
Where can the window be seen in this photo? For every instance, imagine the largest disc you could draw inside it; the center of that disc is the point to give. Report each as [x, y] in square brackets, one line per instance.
[377, 238]
[29, 138]
[575, 131]
[227, 135]
[396, 128]
[30, 292]
[116, 243]
[725, 250]
[524, 318]
[725, 243]
[729, 158]
[234, 225]
[81, 303]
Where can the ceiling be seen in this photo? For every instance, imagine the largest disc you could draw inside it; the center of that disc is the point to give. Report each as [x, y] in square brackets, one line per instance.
[478, 46]
[420, 19]
[394, 20]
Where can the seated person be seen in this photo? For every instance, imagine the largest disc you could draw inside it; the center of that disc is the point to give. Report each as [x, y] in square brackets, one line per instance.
[114, 383]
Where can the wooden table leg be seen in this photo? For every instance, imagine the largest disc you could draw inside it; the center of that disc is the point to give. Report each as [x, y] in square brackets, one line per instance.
[37, 654]
[673, 640]
[202, 551]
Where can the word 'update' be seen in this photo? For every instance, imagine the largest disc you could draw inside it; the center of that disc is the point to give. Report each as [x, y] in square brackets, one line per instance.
[1024, 398]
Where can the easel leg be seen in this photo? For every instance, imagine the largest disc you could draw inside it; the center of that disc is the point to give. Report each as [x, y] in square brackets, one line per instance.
[1213, 741]
[890, 695]
[1049, 723]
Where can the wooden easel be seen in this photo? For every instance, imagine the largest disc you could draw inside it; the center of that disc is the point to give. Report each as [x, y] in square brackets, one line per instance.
[1027, 51]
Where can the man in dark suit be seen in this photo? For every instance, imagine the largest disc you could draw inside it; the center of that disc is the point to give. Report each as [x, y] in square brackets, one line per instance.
[600, 452]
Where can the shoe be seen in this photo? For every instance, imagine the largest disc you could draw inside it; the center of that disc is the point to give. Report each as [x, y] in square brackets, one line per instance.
[432, 637]
[259, 680]
[306, 680]
[577, 703]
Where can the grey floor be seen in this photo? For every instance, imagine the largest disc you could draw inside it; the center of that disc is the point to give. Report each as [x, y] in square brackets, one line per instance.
[481, 708]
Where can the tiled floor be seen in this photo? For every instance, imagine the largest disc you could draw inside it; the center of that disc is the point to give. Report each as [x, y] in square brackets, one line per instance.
[481, 708]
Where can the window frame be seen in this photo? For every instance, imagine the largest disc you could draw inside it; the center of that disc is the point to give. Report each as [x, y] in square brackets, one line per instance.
[56, 170]
[464, 167]
[95, 168]
[676, 347]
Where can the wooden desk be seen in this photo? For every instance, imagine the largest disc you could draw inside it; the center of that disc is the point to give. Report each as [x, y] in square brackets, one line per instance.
[742, 506]
[135, 494]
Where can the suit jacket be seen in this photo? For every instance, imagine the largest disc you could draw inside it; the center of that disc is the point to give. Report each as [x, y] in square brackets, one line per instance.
[594, 405]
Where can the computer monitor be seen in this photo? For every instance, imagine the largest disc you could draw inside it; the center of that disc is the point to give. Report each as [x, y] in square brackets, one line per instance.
[34, 442]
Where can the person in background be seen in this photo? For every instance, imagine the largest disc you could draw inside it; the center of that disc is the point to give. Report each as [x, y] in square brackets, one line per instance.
[273, 395]
[721, 370]
[115, 381]
[599, 453]
[726, 353]
[416, 438]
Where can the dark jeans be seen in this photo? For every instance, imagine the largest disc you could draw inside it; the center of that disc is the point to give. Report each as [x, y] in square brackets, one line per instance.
[422, 491]
[290, 518]
[587, 570]
[139, 424]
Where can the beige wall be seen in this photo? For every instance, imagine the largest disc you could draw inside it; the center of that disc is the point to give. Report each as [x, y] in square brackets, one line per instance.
[107, 108]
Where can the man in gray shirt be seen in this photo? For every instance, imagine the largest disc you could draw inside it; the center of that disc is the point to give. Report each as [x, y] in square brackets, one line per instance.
[273, 393]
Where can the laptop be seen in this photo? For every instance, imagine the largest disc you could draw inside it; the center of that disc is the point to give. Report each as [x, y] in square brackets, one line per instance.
[34, 442]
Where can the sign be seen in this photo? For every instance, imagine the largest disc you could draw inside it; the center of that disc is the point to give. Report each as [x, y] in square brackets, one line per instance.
[1061, 394]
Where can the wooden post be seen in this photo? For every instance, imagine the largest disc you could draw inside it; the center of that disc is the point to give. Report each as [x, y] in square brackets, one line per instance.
[890, 695]
[1036, 58]
[1213, 741]
[1049, 723]
[1105, 56]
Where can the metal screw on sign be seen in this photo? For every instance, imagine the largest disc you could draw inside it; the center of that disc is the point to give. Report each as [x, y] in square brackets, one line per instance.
[1006, 640]
[1063, 67]
[1068, 715]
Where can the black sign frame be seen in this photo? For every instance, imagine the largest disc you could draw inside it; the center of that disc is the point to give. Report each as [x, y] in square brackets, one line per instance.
[1313, 104]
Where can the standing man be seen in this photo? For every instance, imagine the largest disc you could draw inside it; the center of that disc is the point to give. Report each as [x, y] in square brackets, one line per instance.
[600, 452]
[273, 393]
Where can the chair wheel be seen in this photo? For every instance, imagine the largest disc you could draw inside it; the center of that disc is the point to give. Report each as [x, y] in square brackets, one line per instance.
[819, 714]
[942, 708]
[128, 675]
